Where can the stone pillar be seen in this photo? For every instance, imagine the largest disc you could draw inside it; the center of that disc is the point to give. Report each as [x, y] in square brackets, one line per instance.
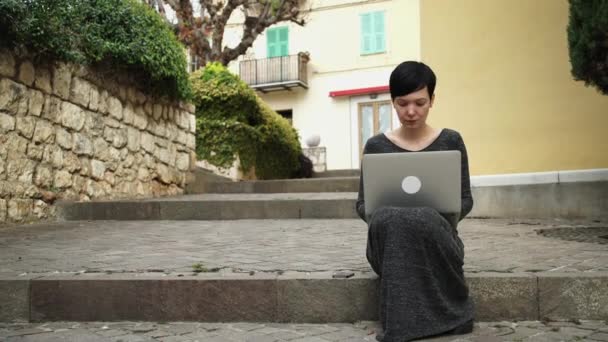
[318, 157]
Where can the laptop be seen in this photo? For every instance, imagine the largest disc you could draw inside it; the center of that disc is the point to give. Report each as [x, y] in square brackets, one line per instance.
[412, 179]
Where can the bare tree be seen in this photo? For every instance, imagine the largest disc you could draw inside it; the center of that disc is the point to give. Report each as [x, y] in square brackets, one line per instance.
[203, 34]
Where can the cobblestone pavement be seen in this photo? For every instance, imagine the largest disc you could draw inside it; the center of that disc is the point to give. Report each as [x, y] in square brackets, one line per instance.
[259, 332]
[273, 245]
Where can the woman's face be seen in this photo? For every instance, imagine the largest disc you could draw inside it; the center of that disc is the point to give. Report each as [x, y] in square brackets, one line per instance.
[412, 109]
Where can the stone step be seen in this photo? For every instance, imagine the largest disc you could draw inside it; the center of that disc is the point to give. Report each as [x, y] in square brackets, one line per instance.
[209, 176]
[243, 331]
[287, 297]
[334, 184]
[540, 201]
[337, 173]
[278, 270]
[217, 207]
[200, 177]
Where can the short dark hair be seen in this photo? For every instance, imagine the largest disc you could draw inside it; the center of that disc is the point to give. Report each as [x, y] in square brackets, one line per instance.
[411, 76]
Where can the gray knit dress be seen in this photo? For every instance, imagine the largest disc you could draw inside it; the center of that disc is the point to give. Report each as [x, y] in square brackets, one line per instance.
[418, 256]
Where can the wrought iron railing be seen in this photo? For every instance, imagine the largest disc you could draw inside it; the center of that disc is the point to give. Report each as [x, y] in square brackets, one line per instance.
[275, 72]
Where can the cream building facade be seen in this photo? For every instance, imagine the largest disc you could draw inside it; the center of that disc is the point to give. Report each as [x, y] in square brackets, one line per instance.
[503, 79]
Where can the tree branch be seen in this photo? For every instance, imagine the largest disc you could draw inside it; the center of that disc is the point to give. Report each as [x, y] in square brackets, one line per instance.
[159, 7]
[219, 26]
[214, 15]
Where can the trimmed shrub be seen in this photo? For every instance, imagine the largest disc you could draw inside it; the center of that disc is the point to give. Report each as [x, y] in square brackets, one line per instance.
[224, 96]
[125, 35]
[588, 42]
[233, 121]
[279, 149]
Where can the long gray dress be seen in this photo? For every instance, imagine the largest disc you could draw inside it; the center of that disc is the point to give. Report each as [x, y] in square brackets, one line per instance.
[418, 256]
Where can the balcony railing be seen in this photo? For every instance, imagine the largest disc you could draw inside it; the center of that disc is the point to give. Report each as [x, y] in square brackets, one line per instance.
[276, 73]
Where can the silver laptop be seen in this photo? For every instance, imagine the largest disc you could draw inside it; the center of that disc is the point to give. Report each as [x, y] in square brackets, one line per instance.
[412, 179]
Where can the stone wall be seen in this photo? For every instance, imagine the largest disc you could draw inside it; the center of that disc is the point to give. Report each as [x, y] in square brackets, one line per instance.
[73, 133]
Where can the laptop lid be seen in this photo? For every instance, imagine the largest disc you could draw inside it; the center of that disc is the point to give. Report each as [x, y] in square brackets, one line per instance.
[412, 179]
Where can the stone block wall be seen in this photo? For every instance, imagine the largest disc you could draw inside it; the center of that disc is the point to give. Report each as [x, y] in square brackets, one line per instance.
[73, 133]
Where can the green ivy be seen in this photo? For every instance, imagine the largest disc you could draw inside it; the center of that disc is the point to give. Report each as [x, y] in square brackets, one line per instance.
[123, 34]
[233, 121]
[220, 141]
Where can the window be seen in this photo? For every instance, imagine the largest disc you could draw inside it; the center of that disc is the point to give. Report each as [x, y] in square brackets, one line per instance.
[287, 114]
[372, 33]
[374, 118]
[277, 41]
[194, 62]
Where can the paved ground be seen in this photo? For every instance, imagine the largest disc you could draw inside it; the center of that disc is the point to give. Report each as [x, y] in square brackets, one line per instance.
[273, 245]
[257, 332]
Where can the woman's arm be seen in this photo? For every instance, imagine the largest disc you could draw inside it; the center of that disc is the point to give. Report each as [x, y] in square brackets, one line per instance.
[466, 196]
[360, 206]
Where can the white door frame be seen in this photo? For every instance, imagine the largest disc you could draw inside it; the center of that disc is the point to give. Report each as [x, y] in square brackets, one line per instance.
[354, 123]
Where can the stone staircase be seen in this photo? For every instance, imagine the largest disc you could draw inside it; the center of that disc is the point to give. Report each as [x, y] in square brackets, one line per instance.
[211, 197]
[270, 251]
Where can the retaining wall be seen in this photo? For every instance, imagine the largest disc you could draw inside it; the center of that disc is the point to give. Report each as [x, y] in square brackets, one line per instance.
[73, 133]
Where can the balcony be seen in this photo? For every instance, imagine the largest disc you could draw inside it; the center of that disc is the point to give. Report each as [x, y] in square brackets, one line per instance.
[276, 73]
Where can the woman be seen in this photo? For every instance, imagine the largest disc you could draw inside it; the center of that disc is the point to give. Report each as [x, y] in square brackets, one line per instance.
[416, 251]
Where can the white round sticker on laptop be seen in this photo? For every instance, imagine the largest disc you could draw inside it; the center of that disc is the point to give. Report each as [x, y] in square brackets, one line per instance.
[411, 184]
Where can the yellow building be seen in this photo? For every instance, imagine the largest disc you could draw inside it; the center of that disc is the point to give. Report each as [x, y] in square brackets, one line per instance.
[503, 79]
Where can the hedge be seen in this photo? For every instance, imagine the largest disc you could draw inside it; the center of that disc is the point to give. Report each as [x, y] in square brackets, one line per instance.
[125, 35]
[233, 121]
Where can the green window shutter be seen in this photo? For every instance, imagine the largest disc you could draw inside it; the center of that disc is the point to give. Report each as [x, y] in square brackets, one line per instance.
[283, 41]
[271, 42]
[379, 32]
[366, 34]
[372, 33]
[277, 42]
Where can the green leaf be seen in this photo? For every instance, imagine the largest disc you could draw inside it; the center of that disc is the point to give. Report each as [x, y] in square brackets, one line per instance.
[233, 121]
[126, 34]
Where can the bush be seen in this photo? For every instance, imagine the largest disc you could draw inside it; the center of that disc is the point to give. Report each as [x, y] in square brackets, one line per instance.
[224, 96]
[306, 168]
[123, 34]
[588, 42]
[233, 121]
[279, 149]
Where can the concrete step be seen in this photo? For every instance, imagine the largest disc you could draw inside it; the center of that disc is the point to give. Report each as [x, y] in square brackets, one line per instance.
[217, 207]
[200, 177]
[334, 184]
[540, 201]
[551, 200]
[277, 271]
[286, 297]
[209, 176]
[337, 173]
